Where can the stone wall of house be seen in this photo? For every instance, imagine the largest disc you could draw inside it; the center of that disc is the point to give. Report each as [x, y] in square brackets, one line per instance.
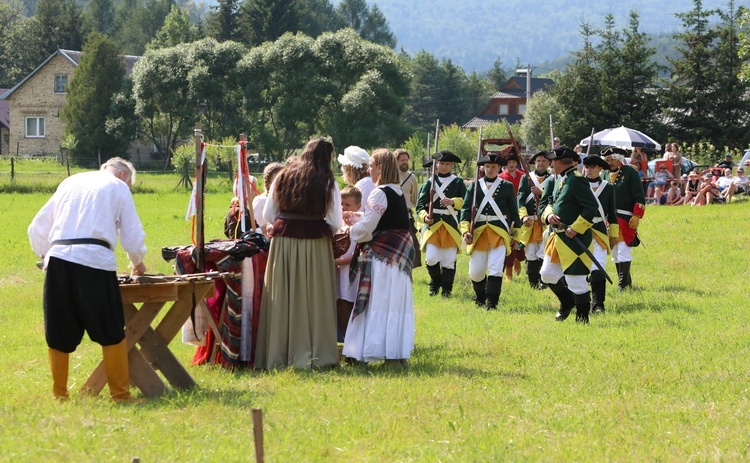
[37, 98]
[4, 141]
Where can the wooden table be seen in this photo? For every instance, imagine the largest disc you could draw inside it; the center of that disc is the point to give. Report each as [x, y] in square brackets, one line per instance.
[154, 353]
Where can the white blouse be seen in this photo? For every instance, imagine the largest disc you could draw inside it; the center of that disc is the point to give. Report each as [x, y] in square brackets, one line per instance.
[377, 203]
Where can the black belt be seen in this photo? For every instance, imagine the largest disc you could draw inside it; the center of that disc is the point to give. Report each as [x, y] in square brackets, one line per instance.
[82, 241]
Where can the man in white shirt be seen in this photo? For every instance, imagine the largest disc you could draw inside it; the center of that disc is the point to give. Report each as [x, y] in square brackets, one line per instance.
[729, 185]
[75, 233]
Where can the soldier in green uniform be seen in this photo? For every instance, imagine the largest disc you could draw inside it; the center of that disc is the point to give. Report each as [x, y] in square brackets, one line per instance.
[605, 227]
[495, 221]
[530, 235]
[631, 205]
[441, 239]
[570, 210]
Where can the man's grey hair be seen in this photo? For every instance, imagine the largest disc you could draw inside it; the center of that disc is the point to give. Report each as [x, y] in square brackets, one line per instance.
[118, 164]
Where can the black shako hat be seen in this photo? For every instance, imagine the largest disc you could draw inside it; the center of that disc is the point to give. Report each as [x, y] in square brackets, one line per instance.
[492, 158]
[533, 158]
[445, 156]
[593, 160]
[562, 152]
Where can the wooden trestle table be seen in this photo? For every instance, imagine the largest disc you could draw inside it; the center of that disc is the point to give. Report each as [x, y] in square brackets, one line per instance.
[154, 353]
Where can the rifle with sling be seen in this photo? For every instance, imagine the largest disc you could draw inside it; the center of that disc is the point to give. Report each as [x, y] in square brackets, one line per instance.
[432, 175]
[476, 185]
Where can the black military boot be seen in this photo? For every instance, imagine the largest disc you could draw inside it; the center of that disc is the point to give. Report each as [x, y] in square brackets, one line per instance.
[480, 295]
[565, 296]
[626, 271]
[532, 270]
[494, 287]
[447, 277]
[434, 272]
[623, 276]
[583, 305]
[598, 291]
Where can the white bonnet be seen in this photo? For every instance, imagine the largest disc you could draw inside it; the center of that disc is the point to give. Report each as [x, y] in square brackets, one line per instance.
[354, 156]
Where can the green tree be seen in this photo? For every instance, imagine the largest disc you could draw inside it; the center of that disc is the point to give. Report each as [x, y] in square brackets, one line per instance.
[370, 23]
[376, 29]
[98, 77]
[176, 30]
[577, 92]
[731, 105]
[497, 75]
[163, 98]
[223, 22]
[690, 91]
[267, 20]
[101, 14]
[21, 48]
[535, 124]
[48, 14]
[317, 16]
[282, 106]
[215, 86]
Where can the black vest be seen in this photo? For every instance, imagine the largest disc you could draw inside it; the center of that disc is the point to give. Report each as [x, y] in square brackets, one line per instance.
[396, 215]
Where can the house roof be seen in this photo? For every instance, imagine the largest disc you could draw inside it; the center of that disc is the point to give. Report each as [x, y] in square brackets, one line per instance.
[517, 85]
[484, 121]
[74, 57]
[4, 120]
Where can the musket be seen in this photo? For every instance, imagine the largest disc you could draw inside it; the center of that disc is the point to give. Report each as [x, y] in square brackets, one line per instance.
[586, 251]
[551, 134]
[591, 142]
[521, 157]
[476, 186]
[432, 175]
[524, 164]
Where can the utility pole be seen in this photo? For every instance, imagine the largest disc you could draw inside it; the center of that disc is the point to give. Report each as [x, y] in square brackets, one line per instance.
[527, 71]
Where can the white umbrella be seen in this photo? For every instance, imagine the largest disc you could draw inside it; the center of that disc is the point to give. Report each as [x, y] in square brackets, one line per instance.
[622, 137]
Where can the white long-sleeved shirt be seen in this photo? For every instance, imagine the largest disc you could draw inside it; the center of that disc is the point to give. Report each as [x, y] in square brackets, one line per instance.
[334, 215]
[89, 205]
[377, 203]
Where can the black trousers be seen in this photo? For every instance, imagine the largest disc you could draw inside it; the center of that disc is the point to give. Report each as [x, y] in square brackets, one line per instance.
[78, 298]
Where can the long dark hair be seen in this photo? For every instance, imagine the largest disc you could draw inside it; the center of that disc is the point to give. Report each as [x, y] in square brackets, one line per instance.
[304, 187]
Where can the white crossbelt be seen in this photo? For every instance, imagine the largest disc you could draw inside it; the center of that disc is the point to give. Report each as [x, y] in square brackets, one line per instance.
[440, 190]
[488, 199]
[624, 212]
[537, 184]
[597, 192]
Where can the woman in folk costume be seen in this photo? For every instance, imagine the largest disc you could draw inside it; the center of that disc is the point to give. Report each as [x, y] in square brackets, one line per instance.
[530, 234]
[494, 224]
[631, 205]
[298, 311]
[382, 323]
[605, 227]
[440, 242]
[514, 175]
[570, 208]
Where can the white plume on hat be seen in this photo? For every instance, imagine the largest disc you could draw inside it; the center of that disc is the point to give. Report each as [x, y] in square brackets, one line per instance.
[354, 156]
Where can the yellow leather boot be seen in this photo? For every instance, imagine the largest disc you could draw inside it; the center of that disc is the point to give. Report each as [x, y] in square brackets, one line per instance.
[116, 367]
[58, 364]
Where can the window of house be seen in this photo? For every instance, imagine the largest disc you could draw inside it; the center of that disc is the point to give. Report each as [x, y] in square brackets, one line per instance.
[521, 109]
[502, 110]
[61, 83]
[35, 127]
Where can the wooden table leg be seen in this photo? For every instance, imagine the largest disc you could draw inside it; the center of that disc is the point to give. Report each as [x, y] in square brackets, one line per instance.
[137, 322]
[144, 376]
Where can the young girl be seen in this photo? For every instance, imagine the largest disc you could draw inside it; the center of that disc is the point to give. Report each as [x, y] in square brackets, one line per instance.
[346, 293]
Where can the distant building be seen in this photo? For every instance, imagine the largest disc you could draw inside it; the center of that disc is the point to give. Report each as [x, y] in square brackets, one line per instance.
[509, 103]
[4, 125]
[34, 125]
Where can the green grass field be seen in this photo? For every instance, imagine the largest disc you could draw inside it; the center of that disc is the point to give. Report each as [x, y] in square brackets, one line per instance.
[662, 376]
